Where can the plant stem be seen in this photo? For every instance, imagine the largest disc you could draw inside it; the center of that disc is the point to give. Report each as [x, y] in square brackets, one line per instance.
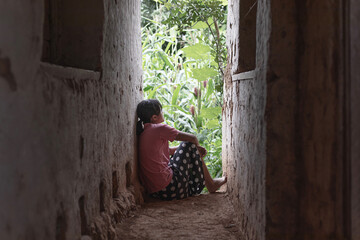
[199, 101]
[217, 42]
[218, 46]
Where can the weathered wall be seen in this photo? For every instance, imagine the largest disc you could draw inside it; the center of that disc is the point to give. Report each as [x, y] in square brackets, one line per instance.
[354, 88]
[295, 188]
[67, 135]
[304, 113]
[281, 166]
[244, 126]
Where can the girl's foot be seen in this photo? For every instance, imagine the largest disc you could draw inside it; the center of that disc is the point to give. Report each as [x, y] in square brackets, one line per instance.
[216, 184]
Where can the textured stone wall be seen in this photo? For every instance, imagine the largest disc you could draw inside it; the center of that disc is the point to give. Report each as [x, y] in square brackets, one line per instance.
[67, 141]
[244, 126]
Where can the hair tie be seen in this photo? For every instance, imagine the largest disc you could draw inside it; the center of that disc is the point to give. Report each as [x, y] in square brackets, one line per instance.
[139, 127]
[141, 122]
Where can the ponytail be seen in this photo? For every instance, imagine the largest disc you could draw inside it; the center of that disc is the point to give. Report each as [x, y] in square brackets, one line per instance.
[139, 127]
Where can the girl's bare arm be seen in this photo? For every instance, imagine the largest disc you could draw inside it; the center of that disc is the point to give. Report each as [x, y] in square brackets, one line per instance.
[172, 150]
[188, 137]
[183, 136]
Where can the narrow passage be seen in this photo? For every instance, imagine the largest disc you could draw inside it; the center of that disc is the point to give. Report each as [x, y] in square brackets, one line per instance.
[207, 216]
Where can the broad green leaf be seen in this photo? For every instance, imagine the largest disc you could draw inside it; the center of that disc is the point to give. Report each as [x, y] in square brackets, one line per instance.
[213, 63]
[224, 2]
[203, 74]
[175, 94]
[197, 51]
[200, 25]
[213, 123]
[210, 113]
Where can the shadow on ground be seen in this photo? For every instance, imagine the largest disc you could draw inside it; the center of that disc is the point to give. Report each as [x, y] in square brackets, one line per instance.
[207, 216]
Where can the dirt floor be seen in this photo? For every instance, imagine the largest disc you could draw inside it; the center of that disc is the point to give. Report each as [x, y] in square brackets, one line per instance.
[207, 216]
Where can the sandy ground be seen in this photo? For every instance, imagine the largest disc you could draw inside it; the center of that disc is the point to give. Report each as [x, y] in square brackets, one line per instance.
[207, 216]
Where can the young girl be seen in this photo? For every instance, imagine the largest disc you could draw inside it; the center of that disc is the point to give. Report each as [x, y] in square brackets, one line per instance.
[183, 175]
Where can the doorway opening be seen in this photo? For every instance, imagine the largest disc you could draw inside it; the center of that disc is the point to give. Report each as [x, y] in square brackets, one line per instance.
[184, 59]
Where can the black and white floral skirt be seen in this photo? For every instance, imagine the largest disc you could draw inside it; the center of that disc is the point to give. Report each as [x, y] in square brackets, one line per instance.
[188, 176]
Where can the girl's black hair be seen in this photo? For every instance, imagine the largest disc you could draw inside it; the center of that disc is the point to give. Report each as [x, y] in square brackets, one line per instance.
[145, 110]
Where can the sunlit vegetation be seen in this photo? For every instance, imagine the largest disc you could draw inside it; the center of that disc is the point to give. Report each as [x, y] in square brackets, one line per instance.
[184, 57]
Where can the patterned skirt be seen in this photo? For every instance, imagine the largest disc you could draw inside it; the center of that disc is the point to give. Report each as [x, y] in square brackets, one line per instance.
[188, 176]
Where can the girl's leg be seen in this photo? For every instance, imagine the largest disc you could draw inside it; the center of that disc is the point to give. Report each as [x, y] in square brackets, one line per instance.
[199, 171]
[212, 184]
[193, 170]
[191, 167]
[168, 192]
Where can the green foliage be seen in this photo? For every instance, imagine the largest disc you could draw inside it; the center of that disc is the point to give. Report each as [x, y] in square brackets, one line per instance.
[207, 15]
[198, 51]
[183, 69]
[203, 74]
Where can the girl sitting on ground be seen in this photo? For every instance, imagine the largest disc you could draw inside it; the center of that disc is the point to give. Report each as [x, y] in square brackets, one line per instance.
[185, 173]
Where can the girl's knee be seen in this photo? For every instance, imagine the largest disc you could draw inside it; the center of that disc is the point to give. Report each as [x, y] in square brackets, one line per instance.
[189, 146]
[185, 144]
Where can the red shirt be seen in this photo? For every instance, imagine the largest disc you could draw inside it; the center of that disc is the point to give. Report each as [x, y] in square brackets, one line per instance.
[155, 174]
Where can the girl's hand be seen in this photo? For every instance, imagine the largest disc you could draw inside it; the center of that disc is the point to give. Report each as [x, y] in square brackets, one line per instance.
[202, 151]
[172, 150]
